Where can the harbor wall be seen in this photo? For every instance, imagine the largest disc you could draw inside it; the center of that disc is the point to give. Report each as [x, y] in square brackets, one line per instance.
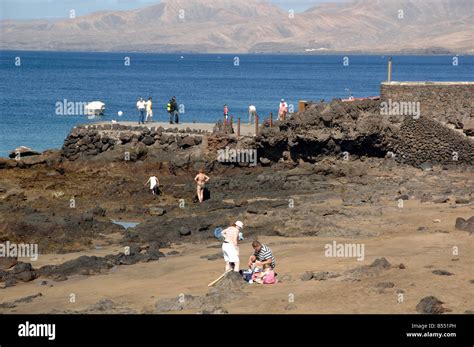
[451, 103]
[91, 140]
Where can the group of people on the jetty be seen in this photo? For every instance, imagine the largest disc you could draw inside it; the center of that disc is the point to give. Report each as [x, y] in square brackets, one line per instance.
[252, 112]
[145, 110]
[261, 264]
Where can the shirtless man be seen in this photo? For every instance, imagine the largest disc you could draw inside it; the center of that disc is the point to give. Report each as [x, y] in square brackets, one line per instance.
[201, 180]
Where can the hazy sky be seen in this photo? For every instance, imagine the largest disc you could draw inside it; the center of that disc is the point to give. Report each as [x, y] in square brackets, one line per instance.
[25, 9]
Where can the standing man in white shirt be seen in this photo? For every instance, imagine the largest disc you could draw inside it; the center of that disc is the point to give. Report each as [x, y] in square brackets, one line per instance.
[252, 113]
[141, 104]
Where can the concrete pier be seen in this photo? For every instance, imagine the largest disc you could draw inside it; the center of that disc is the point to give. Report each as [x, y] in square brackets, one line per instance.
[245, 129]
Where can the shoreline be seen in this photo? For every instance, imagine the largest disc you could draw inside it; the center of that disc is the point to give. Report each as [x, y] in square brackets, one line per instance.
[334, 53]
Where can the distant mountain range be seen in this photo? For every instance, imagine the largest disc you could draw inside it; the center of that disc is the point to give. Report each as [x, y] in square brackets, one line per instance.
[257, 26]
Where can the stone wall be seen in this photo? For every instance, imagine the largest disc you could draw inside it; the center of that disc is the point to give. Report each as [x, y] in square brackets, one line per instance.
[91, 140]
[451, 103]
[425, 140]
[360, 129]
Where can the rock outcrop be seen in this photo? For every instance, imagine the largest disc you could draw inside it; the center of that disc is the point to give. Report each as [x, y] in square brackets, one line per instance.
[92, 140]
[356, 129]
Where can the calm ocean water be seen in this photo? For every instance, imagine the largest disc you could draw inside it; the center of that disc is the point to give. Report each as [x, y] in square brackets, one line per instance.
[202, 83]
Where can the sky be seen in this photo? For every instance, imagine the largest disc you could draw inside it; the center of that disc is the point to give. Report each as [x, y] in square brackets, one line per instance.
[29, 9]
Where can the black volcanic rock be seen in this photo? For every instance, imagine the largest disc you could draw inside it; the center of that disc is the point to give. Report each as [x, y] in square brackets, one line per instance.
[430, 305]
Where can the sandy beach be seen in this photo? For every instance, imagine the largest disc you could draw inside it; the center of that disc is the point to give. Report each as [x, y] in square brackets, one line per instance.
[421, 236]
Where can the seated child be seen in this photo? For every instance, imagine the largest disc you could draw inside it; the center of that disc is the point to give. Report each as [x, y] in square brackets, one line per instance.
[268, 275]
[257, 275]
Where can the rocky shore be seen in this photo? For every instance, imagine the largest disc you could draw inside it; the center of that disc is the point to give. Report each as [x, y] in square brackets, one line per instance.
[337, 171]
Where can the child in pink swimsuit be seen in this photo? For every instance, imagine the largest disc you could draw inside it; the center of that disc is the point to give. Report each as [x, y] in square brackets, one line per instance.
[268, 275]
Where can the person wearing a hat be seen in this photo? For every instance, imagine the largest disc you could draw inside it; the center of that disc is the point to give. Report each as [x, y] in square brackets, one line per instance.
[230, 246]
[282, 110]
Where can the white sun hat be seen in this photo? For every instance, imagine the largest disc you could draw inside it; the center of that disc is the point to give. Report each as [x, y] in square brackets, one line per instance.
[239, 224]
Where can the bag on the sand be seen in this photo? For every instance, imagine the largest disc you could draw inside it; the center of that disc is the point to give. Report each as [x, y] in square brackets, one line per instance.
[247, 275]
[218, 233]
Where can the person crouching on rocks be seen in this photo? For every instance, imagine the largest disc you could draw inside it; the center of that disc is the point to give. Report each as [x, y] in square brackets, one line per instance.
[263, 255]
[201, 180]
[230, 246]
[154, 184]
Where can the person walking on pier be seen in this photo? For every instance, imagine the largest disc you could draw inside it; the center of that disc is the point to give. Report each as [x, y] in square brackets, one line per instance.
[252, 113]
[149, 110]
[226, 113]
[283, 110]
[141, 110]
[172, 109]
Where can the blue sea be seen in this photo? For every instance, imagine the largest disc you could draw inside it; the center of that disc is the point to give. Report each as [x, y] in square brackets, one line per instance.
[202, 83]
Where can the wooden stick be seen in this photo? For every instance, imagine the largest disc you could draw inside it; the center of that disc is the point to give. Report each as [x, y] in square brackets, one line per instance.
[217, 280]
[256, 125]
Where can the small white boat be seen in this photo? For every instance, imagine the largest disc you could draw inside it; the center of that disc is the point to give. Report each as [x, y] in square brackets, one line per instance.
[95, 108]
